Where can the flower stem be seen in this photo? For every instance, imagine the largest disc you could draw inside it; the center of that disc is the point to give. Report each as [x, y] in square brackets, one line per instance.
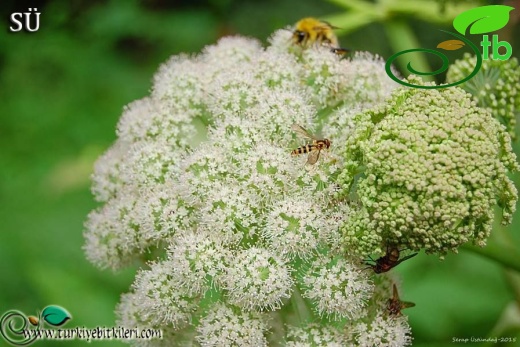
[302, 311]
[401, 38]
[502, 254]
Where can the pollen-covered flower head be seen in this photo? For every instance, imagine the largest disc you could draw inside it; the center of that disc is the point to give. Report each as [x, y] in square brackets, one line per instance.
[426, 170]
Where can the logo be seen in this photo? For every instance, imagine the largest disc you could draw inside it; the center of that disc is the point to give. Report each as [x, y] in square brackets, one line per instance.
[21, 330]
[480, 20]
[15, 326]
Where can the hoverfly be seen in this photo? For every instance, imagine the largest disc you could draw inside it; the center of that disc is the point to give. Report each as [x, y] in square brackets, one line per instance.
[395, 305]
[310, 31]
[313, 149]
[388, 261]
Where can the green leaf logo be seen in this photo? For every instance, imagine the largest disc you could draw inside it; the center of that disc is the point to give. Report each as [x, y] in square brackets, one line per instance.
[55, 315]
[483, 19]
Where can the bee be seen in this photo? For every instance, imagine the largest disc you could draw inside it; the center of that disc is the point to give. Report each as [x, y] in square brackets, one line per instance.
[310, 31]
[313, 149]
[395, 305]
[388, 261]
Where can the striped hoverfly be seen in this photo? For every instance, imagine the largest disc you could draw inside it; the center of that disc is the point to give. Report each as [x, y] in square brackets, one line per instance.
[313, 148]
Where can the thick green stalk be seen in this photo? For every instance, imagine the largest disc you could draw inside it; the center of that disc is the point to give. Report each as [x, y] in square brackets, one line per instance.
[429, 11]
[302, 311]
[504, 255]
[401, 37]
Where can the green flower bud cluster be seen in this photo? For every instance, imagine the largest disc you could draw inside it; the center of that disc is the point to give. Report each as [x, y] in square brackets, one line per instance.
[425, 171]
[496, 87]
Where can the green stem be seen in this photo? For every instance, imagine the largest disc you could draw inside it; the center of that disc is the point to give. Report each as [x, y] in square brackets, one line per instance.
[401, 38]
[355, 5]
[351, 21]
[302, 311]
[502, 254]
[428, 11]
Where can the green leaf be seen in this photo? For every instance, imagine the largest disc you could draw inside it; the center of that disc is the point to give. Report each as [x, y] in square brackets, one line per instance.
[483, 19]
[55, 315]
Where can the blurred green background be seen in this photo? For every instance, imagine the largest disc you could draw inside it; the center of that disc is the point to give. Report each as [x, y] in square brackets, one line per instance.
[62, 90]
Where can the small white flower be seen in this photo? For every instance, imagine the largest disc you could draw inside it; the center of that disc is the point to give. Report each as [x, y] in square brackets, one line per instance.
[297, 226]
[129, 316]
[163, 301]
[370, 85]
[178, 89]
[107, 177]
[132, 223]
[145, 120]
[281, 41]
[110, 238]
[230, 52]
[383, 331]
[150, 162]
[257, 279]
[316, 335]
[338, 288]
[229, 326]
[198, 258]
[336, 81]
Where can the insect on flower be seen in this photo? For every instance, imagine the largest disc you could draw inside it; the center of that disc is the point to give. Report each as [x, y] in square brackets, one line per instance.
[388, 261]
[313, 149]
[395, 305]
[310, 31]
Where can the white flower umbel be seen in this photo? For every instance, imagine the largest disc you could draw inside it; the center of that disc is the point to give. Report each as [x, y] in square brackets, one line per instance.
[133, 222]
[317, 335]
[107, 177]
[130, 317]
[198, 258]
[144, 120]
[111, 240]
[295, 227]
[337, 287]
[230, 326]
[163, 301]
[383, 331]
[257, 279]
[202, 182]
